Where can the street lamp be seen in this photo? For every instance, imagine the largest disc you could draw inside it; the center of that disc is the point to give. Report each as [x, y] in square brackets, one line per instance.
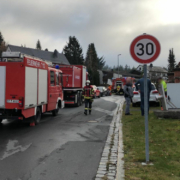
[118, 63]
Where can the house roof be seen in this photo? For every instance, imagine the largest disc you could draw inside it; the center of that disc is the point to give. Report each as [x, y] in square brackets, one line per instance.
[44, 55]
[155, 69]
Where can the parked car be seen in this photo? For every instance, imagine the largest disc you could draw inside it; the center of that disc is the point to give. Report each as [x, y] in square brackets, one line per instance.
[103, 90]
[97, 92]
[153, 96]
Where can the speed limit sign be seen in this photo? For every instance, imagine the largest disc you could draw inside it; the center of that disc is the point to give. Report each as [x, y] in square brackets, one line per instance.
[145, 49]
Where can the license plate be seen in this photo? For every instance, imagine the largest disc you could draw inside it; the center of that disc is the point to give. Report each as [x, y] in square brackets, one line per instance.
[12, 101]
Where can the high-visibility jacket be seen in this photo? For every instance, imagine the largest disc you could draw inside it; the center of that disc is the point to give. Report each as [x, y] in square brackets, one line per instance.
[118, 88]
[164, 85]
[88, 92]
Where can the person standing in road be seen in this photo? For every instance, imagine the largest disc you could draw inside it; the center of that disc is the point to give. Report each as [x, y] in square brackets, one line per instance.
[163, 82]
[140, 87]
[128, 94]
[88, 93]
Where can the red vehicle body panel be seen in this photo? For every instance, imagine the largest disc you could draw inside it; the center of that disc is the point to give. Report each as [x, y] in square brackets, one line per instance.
[15, 82]
[72, 76]
[54, 91]
[15, 76]
[122, 80]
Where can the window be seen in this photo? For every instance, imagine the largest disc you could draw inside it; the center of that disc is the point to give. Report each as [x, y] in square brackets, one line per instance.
[52, 78]
[57, 79]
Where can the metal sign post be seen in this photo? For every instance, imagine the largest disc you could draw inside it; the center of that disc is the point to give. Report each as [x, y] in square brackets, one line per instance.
[145, 49]
[146, 102]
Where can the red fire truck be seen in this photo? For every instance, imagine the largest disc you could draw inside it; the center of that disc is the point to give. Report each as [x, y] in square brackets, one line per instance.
[74, 79]
[118, 82]
[31, 86]
[28, 87]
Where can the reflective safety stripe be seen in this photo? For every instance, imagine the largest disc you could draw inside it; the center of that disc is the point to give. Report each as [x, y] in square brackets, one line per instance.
[86, 108]
[85, 97]
[90, 109]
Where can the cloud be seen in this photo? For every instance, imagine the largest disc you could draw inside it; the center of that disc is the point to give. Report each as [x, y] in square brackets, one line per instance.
[110, 24]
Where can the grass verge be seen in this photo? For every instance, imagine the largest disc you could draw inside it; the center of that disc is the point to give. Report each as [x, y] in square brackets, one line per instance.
[164, 147]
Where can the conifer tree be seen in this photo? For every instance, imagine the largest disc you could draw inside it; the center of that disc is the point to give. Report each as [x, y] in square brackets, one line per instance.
[2, 44]
[1, 38]
[55, 53]
[171, 60]
[93, 63]
[38, 45]
[73, 51]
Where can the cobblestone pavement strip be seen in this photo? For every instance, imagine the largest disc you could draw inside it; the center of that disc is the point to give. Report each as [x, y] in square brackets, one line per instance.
[112, 155]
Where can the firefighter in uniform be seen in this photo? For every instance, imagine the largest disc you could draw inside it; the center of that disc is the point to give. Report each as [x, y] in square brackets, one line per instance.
[88, 93]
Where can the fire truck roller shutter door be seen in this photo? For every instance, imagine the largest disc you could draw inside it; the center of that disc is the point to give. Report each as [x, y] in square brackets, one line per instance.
[30, 87]
[42, 94]
[83, 76]
[2, 86]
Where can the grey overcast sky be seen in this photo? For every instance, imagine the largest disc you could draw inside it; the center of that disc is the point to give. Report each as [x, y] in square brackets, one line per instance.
[110, 24]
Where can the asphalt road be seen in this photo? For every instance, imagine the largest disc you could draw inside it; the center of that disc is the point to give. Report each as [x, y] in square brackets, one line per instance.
[66, 147]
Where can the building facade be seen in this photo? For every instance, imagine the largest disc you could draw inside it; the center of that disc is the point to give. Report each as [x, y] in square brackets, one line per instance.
[154, 72]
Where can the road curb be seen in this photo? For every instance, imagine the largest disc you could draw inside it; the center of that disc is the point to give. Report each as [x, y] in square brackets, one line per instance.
[120, 165]
[111, 161]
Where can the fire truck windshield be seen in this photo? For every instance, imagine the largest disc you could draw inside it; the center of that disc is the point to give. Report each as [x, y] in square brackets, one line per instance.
[11, 60]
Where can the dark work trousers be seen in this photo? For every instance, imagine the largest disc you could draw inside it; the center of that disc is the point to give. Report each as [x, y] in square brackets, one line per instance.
[142, 103]
[88, 105]
[128, 103]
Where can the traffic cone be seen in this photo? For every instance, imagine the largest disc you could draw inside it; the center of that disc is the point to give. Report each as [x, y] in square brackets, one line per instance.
[32, 124]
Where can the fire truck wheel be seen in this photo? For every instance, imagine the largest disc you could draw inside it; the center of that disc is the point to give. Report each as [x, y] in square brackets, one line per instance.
[55, 111]
[37, 116]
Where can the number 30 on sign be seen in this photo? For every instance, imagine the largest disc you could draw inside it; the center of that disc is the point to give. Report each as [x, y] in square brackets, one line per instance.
[145, 49]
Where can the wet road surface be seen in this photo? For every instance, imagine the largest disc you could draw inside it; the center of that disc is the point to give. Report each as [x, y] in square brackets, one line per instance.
[66, 147]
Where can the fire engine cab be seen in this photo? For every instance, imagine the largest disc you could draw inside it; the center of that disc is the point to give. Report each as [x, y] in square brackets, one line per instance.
[28, 87]
[118, 82]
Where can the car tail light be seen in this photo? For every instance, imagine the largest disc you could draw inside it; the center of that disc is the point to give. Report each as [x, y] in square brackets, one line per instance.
[20, 101]
[155, 92]
[135, 92]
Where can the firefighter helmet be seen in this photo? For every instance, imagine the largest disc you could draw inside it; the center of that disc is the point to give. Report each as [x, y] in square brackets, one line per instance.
[88, 81]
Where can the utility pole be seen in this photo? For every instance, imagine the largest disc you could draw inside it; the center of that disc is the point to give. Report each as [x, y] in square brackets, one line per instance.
[118, 63]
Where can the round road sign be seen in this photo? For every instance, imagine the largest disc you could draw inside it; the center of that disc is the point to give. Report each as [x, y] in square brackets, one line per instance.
[145, 49]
